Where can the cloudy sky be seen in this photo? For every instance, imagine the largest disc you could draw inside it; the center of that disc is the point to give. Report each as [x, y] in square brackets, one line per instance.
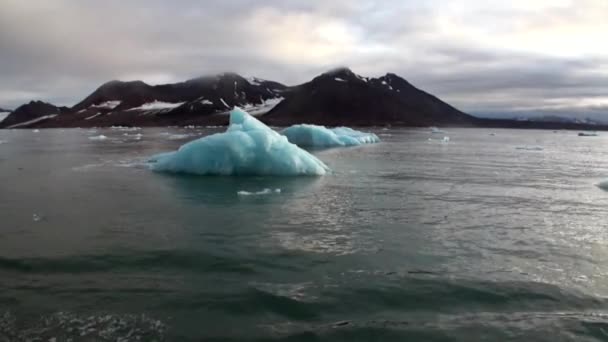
[484, 56]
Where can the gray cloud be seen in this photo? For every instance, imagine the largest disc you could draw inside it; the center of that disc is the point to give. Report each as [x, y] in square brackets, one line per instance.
[482, 58]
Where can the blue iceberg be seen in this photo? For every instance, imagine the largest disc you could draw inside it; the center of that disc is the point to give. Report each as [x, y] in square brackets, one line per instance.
[320, 136]
[248, 147]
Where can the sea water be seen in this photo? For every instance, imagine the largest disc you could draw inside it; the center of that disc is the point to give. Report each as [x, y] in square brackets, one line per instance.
[479, 237]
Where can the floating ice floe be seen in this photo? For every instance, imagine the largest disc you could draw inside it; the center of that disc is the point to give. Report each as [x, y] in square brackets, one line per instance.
[319, 136]
[436, 130]
[98, 137]
[248, 147]
[125, 129]
[443, 140]
[136, 136]
[262, 192]
[178, 136]
[587, 134]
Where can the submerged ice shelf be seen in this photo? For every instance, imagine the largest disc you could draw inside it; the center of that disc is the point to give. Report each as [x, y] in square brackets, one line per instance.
[319, 136]
[248, 147]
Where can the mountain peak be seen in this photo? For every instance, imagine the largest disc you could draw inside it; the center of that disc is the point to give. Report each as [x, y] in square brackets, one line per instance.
[340, 71]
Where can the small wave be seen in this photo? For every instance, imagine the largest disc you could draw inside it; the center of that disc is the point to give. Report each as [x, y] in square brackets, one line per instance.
[529, 148]
[67, 326]
[150, 260]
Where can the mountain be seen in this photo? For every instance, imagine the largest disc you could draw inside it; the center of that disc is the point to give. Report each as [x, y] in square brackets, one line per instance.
[4, 113]
[193, 101]
[32, 113]
[341, 97]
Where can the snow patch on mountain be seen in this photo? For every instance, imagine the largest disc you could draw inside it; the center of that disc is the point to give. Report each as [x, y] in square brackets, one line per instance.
[158, 105]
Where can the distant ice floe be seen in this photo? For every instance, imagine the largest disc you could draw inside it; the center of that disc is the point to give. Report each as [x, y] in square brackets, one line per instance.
[136, 136]
[107, 105]
[443, 140]
[305, 135]
[35, 131]
[529, 148]
[158, 105]
[125, 129]
[178, 136]
[588, 134]
[98, 137]
[247, 147]
[436, 130]
[257, 193]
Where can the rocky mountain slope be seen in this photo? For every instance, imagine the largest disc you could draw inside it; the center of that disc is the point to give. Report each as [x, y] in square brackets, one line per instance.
[32, 113]
[342, 97]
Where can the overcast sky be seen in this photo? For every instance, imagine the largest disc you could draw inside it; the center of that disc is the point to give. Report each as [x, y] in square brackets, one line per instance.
[479, 55]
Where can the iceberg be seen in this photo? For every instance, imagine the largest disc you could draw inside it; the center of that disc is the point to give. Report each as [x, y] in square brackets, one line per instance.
[247, 147]
[319, 136]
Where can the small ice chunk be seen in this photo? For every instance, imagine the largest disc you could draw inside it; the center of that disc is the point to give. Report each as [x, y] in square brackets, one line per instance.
[36, 217]
[339, 79]
[436, 130]
[446, 139]
[248, 147]
[319, 136]
[266, 191]
[178, 136]
[137, 136]
[587, 134]
[36, 131]
[98, 137]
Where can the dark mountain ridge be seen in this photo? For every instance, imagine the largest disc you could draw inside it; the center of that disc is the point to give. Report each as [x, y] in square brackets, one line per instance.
[335, 98]
[343, 97]
[34, 112]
